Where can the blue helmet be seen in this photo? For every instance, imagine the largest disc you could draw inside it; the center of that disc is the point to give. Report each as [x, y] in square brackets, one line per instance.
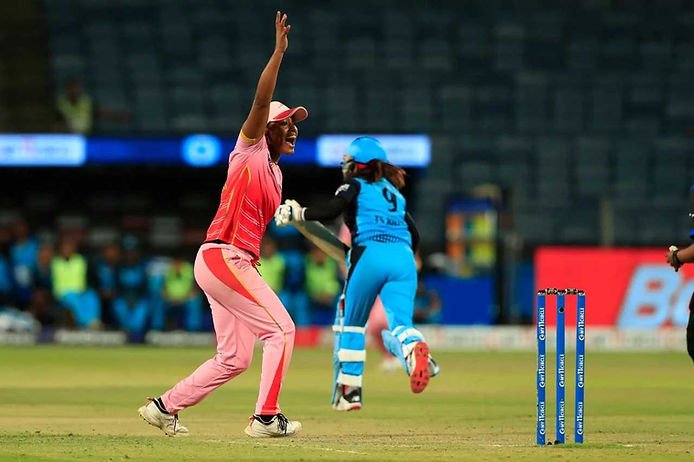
[365, 149]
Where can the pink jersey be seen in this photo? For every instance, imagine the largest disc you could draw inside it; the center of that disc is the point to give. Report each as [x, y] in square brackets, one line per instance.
[251, 194]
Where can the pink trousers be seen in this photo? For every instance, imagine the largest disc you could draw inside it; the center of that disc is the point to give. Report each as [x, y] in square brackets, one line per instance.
[243, 308]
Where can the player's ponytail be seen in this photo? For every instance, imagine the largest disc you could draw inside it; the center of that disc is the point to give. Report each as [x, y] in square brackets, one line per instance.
[394, 174]
[376, 169]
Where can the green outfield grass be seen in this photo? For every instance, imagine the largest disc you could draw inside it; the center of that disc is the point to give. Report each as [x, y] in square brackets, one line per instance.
[80, 404]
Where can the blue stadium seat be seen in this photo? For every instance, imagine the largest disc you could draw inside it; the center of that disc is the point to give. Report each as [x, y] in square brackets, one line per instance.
[656, 55]
[553, 154]
[593, 166]
[555, 103]
[455, 103]
[670, 165]
[435, 55]
[398, 54]
[474, 42]
[532, 102]
[606, 106]
[626, 225]
[380, 109]
[630, 193]
[569, 110]
[471, 174]
[360, 53]
[417, 110]
[511, 147]
[582, 54]
[535, 226]
[472, 146]
[580, 226]
[341, 108]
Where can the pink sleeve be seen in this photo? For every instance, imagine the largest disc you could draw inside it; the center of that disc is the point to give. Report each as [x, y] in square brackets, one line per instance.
[246, 149]
[242, 145]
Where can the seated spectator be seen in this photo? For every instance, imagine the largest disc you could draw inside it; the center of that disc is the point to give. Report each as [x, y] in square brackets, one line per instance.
[427, 303]
[131, 307]
[181, 299]
[42, 272]
[23, 255]
[322, 285]
[42, 305]
[272, 265]
[5, 281]
[106, 276]
[43, 308]
[273, 269]
[69, 281]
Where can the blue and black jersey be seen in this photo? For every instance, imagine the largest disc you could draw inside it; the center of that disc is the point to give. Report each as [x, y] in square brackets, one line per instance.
[372, 212]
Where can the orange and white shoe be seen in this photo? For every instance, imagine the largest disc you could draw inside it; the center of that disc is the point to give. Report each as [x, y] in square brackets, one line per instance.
[418, 362]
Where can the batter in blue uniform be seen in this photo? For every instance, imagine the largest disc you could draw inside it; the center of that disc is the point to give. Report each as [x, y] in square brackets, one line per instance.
[676, 258]
[380, 263]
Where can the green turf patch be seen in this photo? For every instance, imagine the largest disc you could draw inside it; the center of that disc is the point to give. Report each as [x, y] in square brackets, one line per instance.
[80, 404]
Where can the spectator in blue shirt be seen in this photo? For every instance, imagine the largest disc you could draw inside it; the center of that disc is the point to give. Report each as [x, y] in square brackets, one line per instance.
[69, 279]
[42, 305]
[23, 255]
[131, 307]
[5, 281]
[106, 275]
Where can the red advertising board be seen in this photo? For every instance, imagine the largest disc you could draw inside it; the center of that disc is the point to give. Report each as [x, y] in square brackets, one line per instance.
[625, 287]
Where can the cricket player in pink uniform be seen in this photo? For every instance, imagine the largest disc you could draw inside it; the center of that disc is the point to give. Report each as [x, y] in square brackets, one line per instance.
[243, 305]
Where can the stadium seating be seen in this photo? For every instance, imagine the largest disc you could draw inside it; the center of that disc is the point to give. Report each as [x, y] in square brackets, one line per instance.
[560, 102]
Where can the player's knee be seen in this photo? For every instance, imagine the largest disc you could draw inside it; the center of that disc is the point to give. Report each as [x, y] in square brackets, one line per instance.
[283, 330]
[234, 364]
[289, 328]
[243, 363]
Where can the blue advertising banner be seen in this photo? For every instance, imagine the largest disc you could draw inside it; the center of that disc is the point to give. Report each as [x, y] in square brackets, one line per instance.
[194, 151]
[197, 150]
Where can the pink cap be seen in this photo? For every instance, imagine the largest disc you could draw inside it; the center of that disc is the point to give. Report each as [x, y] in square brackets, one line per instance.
[279, 111]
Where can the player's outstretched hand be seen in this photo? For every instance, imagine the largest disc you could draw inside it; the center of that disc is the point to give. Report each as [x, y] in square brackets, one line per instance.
[672, 259]
[281, 31]
[283, 215]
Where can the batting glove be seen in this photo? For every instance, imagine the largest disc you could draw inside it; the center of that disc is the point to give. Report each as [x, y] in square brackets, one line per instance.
[296, 209]
[289, 212]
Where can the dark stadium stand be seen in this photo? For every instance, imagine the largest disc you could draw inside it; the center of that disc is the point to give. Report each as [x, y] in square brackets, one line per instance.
[567, 104]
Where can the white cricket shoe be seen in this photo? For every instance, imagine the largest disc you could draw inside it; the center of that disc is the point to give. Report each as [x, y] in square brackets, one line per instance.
[349, 399]
[165, 422]
[277, 427]
[434, 368]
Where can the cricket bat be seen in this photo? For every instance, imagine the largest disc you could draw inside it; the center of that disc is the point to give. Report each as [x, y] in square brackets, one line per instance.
[323, 238]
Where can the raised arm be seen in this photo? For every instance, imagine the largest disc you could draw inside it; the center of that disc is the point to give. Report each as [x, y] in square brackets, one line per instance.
[254, 127]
